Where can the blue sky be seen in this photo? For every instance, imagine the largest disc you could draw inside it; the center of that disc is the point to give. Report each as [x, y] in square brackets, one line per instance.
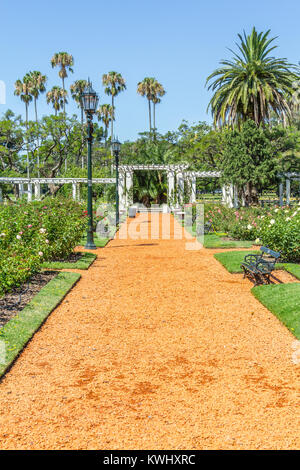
[178, 42]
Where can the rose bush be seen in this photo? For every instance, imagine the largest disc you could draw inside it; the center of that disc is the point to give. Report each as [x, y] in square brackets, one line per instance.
[31, 233]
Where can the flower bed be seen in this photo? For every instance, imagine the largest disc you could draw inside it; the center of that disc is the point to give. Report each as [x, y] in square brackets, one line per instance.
[31, 233]
[279, 228]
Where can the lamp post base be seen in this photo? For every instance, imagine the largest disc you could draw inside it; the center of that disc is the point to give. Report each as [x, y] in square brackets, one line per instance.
[90, 246]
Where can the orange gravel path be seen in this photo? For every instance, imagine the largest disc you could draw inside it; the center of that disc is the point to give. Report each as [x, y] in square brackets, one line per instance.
[156, 347]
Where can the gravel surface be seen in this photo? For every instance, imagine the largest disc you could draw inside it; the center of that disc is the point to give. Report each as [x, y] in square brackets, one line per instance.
[157, 347]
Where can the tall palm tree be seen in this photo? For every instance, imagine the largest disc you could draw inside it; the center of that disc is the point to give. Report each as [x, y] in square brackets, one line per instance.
[23, 90]
[77, 89]
[37, 86]
[57, 97]
[146, 88]
[106, 114]
[158, 92]
[65, 61]
[114, 84]
[252, 84]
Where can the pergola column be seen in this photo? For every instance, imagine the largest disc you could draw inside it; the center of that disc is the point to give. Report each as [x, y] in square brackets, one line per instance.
[193, 193]
[235, 197]
[171, 187]
[288, 191]
[121, 189]
[227, 195]
[74, 191]
[180, 187]
[37, 190]
[129, 184]
[29, 192]
[281, 193]
[21, 189]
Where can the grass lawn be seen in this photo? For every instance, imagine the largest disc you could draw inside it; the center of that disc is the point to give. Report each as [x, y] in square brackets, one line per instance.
[83, 263]
[20, 329]
[213, 240]
[282, 300]
[231, 260]
[99, 242]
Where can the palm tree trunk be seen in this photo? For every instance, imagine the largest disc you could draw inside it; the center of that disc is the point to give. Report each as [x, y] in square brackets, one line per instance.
[63, 84]
[28, 171]
[112, 123]
[154, 125]
[38, 155]
[149, 103]
[82, 159]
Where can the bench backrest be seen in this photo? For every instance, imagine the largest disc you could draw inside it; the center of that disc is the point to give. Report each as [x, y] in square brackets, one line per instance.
[269, 255]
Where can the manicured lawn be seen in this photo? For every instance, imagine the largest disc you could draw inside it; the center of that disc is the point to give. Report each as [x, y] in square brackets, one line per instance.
[282, 300]
[231, 260]
[99, 242]
[20, 329]
[212, 240]
[83, 263]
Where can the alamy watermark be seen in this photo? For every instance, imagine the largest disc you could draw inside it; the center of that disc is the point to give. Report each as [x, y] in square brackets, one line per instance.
[2, 92]
[188, 224]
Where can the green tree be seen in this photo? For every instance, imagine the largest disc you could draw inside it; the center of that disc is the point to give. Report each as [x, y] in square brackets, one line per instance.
[146, 88]
[251, 158]
[106, 114]
[37, 83]
[57, 97]
[23, 90]
[114, 84]
[252, 84]
[65, 61]
[158, 92]
[77, 88]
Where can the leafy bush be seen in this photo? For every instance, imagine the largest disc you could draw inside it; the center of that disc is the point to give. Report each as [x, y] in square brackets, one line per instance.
[31, 233]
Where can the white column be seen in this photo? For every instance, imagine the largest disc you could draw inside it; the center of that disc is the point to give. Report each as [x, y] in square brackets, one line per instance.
[37, 190]
[129, 184]
[74, 191]
[288, 190]
[78, 191]
[193, 193]
[29, 192]
[171, 187]
[122, 196]
[227, 195]
[235, 197]
[21, 189]
[180, 188]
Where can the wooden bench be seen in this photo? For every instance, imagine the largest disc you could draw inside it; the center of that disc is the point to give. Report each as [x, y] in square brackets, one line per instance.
[258, 267]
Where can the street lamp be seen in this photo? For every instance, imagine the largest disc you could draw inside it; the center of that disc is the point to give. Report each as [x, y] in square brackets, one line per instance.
[89, 102]
[116, 146]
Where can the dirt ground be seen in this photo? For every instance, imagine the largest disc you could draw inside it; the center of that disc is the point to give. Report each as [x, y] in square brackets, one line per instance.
[156, 347]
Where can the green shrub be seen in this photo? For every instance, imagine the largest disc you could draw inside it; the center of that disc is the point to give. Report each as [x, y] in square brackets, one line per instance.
[31, 233]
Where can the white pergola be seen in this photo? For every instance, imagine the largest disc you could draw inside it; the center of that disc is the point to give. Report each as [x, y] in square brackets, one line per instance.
[229, 192]
[288, 177]
[36, 184]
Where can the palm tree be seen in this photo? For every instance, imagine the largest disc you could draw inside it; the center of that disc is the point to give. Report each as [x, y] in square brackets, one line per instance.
[106, 114]
[158, 91]
[37, 86]
[57, 97]
[77, 89]
[23, 90]
[146, 88]
[114, 83]
[65, 61]
[252, 84]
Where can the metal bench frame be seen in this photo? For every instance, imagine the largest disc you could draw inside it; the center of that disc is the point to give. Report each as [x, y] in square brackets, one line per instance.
[258, 267]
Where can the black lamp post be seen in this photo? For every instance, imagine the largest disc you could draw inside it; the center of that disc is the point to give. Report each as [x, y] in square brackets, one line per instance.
[89, 101]
[116, 146]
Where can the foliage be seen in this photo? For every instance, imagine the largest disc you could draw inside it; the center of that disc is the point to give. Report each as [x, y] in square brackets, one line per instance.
[251, 158]
[252, 84]
[31, 233]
